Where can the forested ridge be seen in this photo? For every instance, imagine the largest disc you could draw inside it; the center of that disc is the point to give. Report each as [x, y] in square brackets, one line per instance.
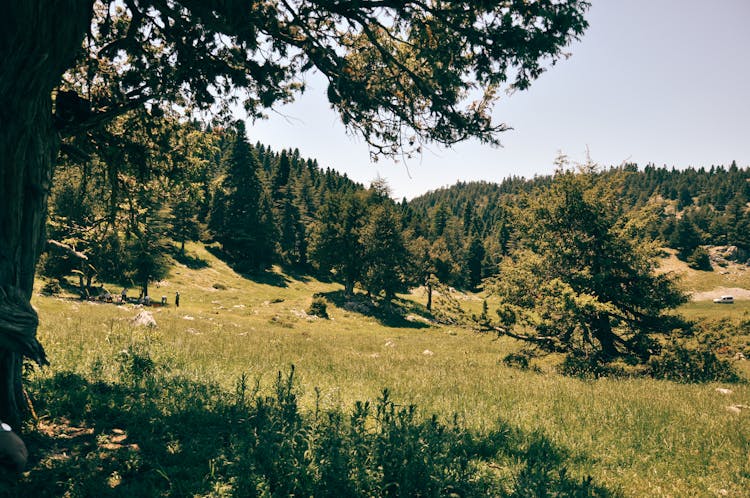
[679, 208]
[117, 212]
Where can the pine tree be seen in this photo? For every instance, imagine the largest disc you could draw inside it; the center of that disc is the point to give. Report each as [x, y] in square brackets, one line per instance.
[474, 257]
[336, 243]
[685, 237]
[244, 225]
[580, 282]
[385, 256]
[281, 176]
[184, 221]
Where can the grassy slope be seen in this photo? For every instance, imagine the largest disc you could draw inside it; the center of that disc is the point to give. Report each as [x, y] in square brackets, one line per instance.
[651, 438]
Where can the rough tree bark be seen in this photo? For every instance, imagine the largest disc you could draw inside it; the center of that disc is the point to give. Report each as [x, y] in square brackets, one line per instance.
[429, 295]
[38, 41]
[602, 330]
[349, 287]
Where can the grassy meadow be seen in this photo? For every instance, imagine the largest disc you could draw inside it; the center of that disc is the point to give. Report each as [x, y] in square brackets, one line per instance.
[97, 433]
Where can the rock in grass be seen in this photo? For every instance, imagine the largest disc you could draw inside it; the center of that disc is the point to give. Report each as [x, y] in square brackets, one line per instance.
[737, 409]
[145, 319]
[724, 391]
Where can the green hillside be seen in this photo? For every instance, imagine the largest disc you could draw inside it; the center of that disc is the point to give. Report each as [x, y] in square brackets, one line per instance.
[112, 407]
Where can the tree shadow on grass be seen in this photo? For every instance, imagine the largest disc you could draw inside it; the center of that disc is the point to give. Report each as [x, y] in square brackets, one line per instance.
[189, 260]
[261, 276]
[399, 313]
[149, 436]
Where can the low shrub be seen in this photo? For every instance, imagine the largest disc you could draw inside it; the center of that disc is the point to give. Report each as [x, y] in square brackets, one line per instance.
[682, 364]
[318, 308]
[136, 366]
[51, 287]
[591, 366]
[259, 442]
[517, 360]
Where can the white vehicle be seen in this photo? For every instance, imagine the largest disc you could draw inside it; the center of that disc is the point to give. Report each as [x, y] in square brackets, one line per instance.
[724, 300]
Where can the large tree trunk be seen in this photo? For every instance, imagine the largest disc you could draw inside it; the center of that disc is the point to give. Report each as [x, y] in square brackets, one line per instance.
[349, 287]
[429, 296]
[38, 41]
[605, 336]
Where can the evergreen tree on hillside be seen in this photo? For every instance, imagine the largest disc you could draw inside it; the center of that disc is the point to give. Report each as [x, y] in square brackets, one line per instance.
[475, 254]
[291, 231]
[439, 220]
[184, 220]
[685, 237]
[281, 176]
[244, 224]
[336, 239]
[146, 243]
[145, 258]
[580, 282]
[385, 256]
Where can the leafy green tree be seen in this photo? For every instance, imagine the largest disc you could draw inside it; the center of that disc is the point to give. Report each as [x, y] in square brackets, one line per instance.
[423, 265]
[184, 221]
[448, 269]
[389, 65]
[580, 282]
[336, 239]
[385, 255]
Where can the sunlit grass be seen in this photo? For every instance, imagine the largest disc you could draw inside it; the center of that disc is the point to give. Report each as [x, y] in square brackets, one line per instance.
[648, 437]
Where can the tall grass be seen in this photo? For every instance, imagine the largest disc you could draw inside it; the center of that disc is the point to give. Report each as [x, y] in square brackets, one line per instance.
[641, 436]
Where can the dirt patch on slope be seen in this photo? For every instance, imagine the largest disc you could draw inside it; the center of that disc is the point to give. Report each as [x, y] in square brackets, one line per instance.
[737, 292]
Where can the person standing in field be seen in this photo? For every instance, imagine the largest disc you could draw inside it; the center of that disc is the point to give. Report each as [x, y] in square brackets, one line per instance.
[177, 299]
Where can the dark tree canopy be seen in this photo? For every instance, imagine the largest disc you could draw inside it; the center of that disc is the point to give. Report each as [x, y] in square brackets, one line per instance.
[433, 67]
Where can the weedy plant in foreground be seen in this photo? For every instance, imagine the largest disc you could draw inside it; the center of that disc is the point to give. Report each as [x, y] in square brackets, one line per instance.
[151, 434]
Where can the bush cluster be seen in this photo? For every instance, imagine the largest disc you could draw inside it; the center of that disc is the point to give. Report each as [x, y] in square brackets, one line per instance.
[591, 366]
[51, 287]
[318, 308]
[682, 364]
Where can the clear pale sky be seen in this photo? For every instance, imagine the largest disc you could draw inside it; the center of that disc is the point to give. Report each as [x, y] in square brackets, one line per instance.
[661, 81]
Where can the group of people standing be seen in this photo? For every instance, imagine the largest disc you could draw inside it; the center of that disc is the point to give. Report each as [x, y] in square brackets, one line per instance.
[146, 300]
